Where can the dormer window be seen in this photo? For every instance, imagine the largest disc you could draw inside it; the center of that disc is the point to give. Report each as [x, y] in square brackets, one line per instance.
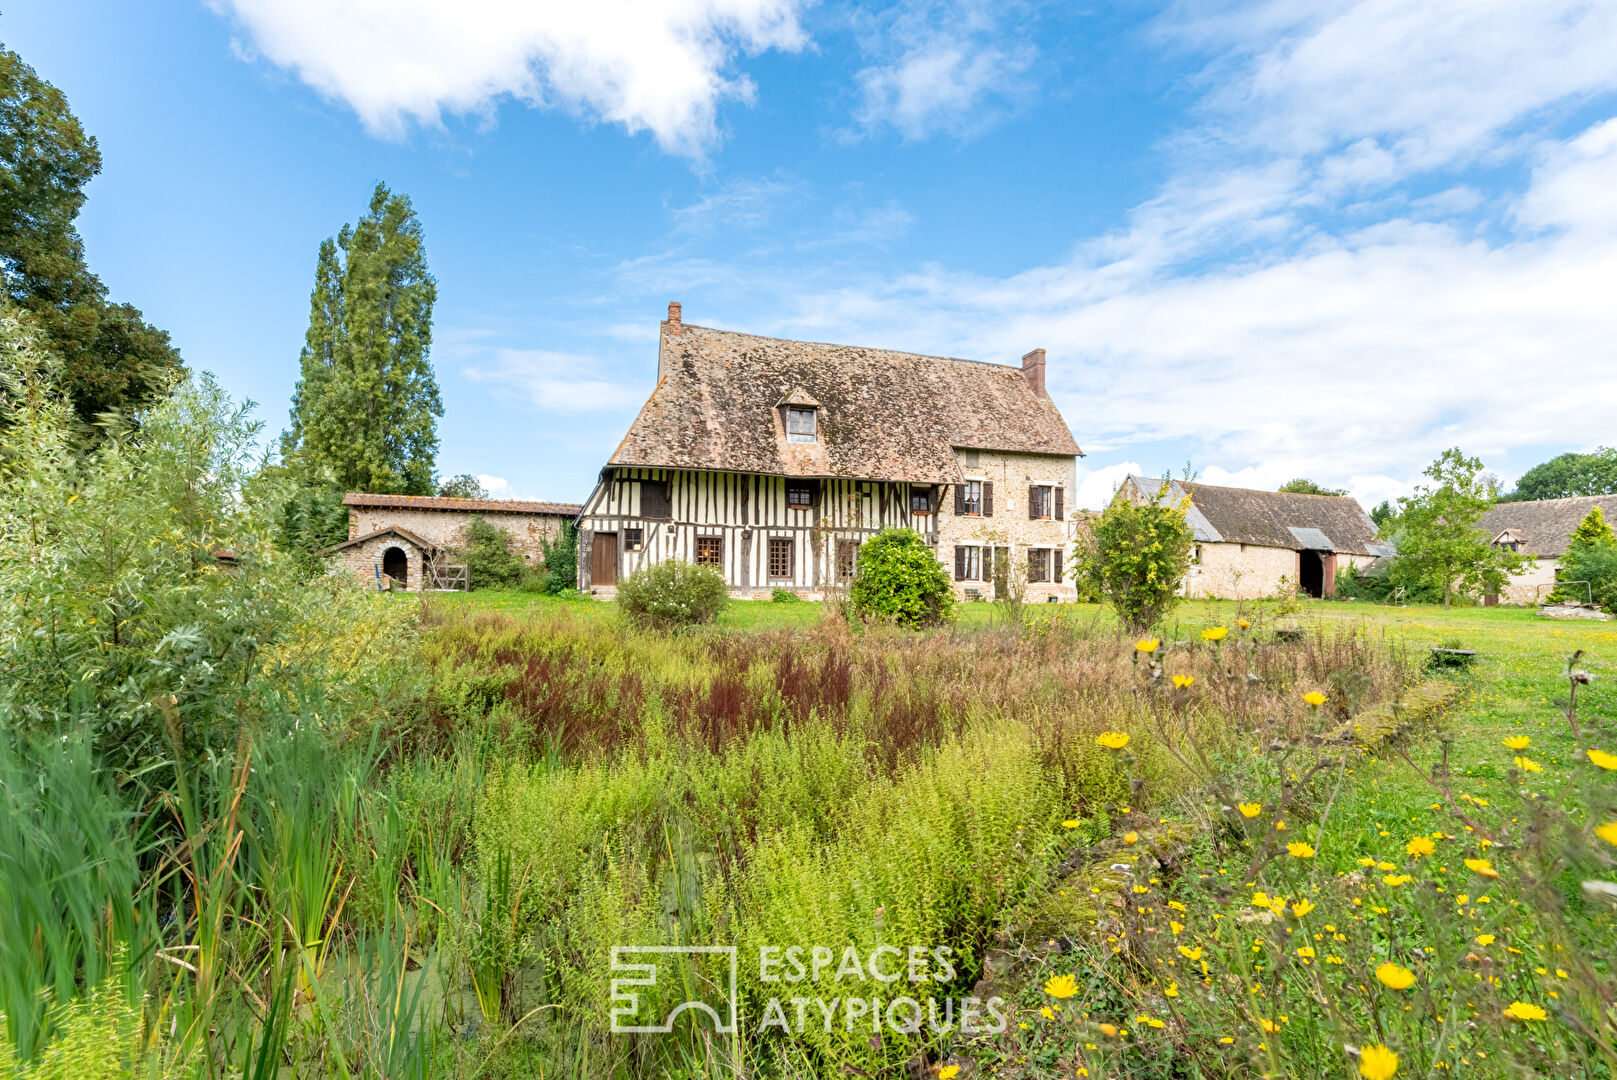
[801, 426]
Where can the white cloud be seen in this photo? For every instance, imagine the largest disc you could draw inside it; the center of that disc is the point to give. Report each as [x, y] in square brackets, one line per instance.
[661, 66]
[1097, 486]
[942, 66]
[498, 487]
[555, 381]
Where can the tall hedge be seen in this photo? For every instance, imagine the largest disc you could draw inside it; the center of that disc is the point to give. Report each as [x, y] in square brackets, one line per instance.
[899, 580]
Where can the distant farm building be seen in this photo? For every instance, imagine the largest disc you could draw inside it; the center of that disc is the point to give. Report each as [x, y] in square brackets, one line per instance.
[1541, 529]
[1250, 544]
[408, 541]
[773, 460]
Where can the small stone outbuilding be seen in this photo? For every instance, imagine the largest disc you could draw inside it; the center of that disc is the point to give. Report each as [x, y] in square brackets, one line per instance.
[1251, 544]
[406, 541]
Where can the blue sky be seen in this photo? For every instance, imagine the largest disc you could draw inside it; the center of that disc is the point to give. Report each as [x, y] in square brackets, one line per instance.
[1267, 238]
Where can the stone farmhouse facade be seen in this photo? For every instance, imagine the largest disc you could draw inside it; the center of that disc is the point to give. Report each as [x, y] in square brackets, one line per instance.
[773, 460]
[401, 540]
[1541, 528]
[1251, 544]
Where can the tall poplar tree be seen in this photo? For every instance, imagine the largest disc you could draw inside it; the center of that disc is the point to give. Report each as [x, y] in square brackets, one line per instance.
[365, 411]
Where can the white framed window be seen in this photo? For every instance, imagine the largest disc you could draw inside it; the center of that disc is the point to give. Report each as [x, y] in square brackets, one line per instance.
[801, 426]
[633, 539]
[968, 563]
[971, 496]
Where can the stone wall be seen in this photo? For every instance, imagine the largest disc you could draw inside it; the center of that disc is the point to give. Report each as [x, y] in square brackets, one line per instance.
[447, 527]
[1249, 571]
[1009, 525]
[363, 561]
[1524, 588]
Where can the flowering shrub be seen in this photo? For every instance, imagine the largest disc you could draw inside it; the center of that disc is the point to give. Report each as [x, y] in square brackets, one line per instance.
[673, 593]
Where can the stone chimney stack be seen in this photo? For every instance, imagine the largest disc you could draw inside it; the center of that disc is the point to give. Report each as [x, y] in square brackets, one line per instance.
[673, 317]
[1033, 368]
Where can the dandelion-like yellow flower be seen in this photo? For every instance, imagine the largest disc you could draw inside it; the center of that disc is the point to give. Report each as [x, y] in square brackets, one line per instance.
[948, 1072]
[1172, 990]
[1189, 953]
[1376, 1062]
[1109, 1029]
[1268, 1025]
[1148, 644]
[1394, 977]
[1215, 633]
[1061, 986]
[1260, 899]
[1603, 759]
[1301, 850]
[1243, 624]
[1314, 698]
[1182, 681]
[1481, 866]
[1527, 764]
[1607, 832]
[1112, 740]
[1302, 907]
[1131, 837]
[1176, 926]
[1420, 845]
[1522, 1010]
[1306, 952]
[1250, 809]
[1397, 879]
[1485, 939]
[1070, 823]
[1518, 742]
[1046, 1013]
[1367, 862]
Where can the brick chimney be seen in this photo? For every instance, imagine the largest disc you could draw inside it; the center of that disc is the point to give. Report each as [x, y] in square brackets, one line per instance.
[673, 317]
[1033, 368]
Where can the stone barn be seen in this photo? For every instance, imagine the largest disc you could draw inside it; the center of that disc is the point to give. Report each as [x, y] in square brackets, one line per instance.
[1251, 544]
[1541, 528]
[407, 541]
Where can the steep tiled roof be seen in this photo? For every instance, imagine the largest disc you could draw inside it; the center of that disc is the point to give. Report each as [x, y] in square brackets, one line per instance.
[1271, 518]
[882, 415]
[1543, 527]
[483, 506]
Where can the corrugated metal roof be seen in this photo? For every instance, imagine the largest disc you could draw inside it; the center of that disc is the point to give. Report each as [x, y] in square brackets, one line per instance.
[1268, 518]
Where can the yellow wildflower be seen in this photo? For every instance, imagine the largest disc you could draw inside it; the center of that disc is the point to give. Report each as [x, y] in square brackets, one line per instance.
[1607, 832]
[1302, 907]
[1395, 977]
[1176, 927]
[1215, 633]
[1182, 681]
[1189, 953]
[1521, 1010]
[1420, 845]
[1108, 1029]
[1376, 1062]
[1301, 849]
[1172, 990]
[1485, 939]
[1243, 624]
[1112, 740]
[1046, 1013]
[1603, 759]
[948, 1072]
[1481, 866]
[1148, 644]
[1528, 764]
[1061, 986]
[1260, 899]
[1250, 809]
[1518, 742]
[1314, 698]
[1131, 837]
[1306, 952]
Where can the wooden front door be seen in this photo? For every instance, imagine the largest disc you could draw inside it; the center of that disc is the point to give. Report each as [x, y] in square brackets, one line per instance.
[604, 559]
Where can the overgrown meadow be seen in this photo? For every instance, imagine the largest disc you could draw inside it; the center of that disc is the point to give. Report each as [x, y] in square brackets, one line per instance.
[257, 825]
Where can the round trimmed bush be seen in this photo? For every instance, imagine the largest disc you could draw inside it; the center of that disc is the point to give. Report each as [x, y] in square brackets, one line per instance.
[673, 593]
[899, 580]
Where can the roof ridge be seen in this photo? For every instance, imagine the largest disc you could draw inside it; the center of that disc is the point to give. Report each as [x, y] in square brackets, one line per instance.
[845, 345]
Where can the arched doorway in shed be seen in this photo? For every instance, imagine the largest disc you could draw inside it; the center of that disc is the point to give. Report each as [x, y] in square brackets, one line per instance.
[396, 565]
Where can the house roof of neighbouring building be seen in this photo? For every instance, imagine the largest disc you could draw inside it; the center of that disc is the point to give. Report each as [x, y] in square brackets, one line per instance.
[1543, 527]
[392, 530]
[473, 506]
[883, 415]
[1270, 518]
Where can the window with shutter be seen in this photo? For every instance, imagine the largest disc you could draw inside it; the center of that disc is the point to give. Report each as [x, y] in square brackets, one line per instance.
[1038, 565]
[1055, 565]
[1061, 512]
[988, 498]
[968, 563]
[654, 501]
[971, 498]
[1039, 501]
[959, 563]
[960, 500]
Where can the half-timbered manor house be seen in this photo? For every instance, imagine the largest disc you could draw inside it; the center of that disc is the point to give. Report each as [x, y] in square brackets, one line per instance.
[773, 460]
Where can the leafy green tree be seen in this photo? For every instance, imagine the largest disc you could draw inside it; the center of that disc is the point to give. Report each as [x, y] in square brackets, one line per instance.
[490, 562]
[111, 359]
[1384, 517]
[898, 579]
[561, 560]
[1439, 543]
[1591, 556]
[1567, 476]
[1308, 487]
[1135, 556]
[367, 404]
[464, 486]
[1593, 529]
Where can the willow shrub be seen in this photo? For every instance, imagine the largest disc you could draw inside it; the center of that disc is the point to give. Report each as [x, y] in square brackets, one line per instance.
[671, 594]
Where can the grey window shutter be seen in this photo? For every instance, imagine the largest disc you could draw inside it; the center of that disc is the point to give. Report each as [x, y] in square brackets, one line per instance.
[1032, 503]
[1055, 565]
[988, 498]
[959, 500]
[1060, 514]
[959, 564]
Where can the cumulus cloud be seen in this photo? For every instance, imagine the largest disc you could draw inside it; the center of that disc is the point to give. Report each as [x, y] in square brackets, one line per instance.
[658, 66]
[944, 66]
[555, 381]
